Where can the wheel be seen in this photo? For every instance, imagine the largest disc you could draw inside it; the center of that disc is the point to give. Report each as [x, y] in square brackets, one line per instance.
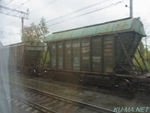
[126, 85]
[32, 72]
[45, 74]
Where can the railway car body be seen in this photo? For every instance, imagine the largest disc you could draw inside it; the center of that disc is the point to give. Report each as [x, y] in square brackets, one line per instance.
[97, 51]
[11, 57]
[100, 48]
[20, 57]
[32, 57]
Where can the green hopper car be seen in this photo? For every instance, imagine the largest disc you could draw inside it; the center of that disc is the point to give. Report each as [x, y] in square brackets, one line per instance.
[98, 53]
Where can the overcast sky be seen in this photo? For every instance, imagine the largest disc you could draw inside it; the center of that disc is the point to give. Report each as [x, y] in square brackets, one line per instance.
[99, 11]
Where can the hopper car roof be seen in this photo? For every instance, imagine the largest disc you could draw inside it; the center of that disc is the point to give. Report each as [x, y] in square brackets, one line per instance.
[118, 26]
[13, 45]
[27, 44]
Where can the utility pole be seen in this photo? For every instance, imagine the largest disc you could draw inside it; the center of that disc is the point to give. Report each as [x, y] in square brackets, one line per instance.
[22, 25]
[131, 8]
[15, 13]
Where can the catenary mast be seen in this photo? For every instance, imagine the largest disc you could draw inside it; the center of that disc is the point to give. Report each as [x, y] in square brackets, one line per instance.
[15, 13]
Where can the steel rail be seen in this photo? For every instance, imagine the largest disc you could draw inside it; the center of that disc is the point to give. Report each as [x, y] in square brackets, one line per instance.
[30, 103]
[64, 99]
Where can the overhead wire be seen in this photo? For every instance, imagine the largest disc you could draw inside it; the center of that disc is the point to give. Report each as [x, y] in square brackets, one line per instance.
[8, 33]
[47, 4]
[60, 20]
[4, 34]
[77, 11]
[15, 8]
[40, 8]
[7, 3]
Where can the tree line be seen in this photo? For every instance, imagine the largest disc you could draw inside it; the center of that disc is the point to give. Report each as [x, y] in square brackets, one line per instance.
[145, 53]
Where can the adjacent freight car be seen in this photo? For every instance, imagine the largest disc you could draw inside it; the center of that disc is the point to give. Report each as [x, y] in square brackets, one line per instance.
[11, 57]
[97, 53]
[22, 57]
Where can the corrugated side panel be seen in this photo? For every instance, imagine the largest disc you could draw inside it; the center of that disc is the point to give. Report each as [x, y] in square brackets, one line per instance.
[108, 53]
[11, 59]
[85, 54]
[68, 55]
[5, 56]
[96, 54]
[20, 55]
[53, 54]
[12, 55]
[15, 56]
[76, 54]
[60, 55]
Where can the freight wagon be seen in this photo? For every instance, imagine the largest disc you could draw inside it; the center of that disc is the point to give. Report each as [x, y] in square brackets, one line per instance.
[98, 53]
[22, 57]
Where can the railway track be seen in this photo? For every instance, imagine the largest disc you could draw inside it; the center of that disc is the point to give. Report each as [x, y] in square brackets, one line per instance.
[50, 103]
[13, 104]
[107, 90]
